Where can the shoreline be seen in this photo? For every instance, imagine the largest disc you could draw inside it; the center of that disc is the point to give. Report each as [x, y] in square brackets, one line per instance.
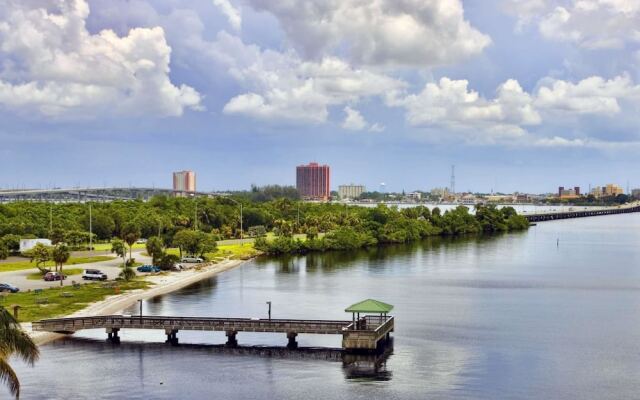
[163, 284]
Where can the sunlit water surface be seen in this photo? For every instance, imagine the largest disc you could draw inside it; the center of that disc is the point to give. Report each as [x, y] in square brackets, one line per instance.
[549, 313]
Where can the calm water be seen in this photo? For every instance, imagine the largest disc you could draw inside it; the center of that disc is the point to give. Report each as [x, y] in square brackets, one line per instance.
[509, 317]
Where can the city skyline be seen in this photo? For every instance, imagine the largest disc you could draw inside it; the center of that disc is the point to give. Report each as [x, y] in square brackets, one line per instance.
[516, 97]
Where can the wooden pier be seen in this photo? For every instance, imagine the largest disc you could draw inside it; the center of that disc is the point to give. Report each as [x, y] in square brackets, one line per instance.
[367, 333]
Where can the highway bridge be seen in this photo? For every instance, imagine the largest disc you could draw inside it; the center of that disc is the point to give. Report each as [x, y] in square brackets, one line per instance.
[589, 212]
[80, 194]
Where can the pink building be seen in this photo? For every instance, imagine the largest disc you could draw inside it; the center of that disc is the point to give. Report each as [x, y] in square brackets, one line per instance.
[313, 181]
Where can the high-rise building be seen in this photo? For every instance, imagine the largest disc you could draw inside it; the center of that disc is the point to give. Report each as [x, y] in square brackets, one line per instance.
[569, 193]
[313, 181]
[350, 191]
[612, 190]
[184, 181]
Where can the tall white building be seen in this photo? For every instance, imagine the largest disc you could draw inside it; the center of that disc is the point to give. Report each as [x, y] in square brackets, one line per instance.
[184, 181]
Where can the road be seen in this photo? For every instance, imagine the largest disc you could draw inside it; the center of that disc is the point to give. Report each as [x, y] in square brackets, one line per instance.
[110, 267]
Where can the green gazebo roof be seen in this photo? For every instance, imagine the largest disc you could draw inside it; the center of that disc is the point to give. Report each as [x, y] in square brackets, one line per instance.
[369, 306]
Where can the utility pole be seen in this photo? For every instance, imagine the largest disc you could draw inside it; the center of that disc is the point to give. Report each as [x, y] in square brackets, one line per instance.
[453, 180]
[195, 218]
[90, 232]
[50, 219]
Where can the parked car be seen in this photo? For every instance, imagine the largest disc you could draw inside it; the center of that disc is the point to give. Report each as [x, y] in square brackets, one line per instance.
[7, 287]
[141, 241]
[94, 275]
[148, 268]
[54, 276]
[191, 259]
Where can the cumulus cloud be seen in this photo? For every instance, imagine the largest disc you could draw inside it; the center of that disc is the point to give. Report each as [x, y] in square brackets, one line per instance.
[413, 33]
[53, 65]
[353, 120]
[282, 86]
[592, 24]
[232, 13]
[450, 106]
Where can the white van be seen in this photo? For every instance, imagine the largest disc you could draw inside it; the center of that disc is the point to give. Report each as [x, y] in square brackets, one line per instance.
[94, 275]
[191, 259]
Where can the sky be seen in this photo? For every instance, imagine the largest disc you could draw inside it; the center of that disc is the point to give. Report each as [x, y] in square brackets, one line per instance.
[519, 95]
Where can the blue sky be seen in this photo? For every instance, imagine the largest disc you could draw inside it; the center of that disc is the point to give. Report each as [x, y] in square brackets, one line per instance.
[519, 95]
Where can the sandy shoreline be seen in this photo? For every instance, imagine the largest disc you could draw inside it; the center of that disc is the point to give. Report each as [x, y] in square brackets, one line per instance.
[162, 284]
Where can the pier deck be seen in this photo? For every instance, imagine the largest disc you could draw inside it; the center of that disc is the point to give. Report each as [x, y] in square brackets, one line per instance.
[363, 334]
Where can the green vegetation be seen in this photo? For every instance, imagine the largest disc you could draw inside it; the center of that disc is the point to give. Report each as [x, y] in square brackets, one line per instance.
[193, 225]
[21, 265]
[14, 342]
[36, 276]
[65, 300]
[383, 225]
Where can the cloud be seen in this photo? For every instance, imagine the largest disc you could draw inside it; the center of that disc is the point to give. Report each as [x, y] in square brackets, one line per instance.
[53, 66]
[451, 105]
[593, 95]
[232, 13]
[353, 120]
[514, 115]
[282, 86]
[591, 24]
[396, 33]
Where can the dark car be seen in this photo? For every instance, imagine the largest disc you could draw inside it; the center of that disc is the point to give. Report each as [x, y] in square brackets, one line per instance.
[7, 287]
[54, 276]
[148, 268]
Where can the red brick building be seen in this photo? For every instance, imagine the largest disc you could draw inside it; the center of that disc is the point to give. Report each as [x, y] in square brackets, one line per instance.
[313, 181]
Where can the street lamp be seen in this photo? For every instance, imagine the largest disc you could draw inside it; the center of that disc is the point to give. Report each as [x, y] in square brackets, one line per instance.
[241, 231]
[269, 304]
[140, 301]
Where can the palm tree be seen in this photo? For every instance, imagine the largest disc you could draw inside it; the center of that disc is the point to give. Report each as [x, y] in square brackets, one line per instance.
[60, 255]
[14, 342]
[131, 234]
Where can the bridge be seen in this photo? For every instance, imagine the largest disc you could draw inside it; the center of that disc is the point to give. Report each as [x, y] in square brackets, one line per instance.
[83, 194]
[366, 333]
[596, 211]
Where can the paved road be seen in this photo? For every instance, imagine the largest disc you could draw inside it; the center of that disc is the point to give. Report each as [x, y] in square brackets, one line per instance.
[110, 267]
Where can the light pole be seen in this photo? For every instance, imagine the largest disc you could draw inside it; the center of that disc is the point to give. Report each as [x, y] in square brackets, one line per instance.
[90, 232]
[241, 231]
[269, 304]
[140, 301]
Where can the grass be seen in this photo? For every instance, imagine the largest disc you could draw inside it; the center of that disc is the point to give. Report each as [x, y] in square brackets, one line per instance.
[36, 276]
[59, 305]
[20, 265]
[232, 251]
[107, 246]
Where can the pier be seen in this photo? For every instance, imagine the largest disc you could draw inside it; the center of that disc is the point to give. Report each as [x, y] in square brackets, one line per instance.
[551, 216]
[366, 333]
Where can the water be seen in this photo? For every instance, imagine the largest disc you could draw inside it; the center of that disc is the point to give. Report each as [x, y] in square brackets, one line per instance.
[511, 317]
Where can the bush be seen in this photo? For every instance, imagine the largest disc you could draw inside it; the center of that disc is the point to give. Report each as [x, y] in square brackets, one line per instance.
[167, 261]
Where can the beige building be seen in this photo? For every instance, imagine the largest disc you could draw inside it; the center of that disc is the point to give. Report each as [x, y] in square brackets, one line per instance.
[184, 182]
[611, 189]
[350, 191]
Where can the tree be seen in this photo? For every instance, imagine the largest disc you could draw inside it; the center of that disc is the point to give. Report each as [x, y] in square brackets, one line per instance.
[12, 242]
[60, 255]
[14, 342]
[130, 234]
[118, 247]
[206, 244]
[186, 240]
[168, 261]
[57, 235]
[40, 254]
[155, 248]
[127, 273]
[4, 251]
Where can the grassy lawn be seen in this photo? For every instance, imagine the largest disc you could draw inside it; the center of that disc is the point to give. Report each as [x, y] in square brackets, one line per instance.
[232, 251]
[36, 276]
[59, 305]
[107, 246]
[20, 265]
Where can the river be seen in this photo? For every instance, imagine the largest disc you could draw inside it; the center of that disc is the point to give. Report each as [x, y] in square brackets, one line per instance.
[547, 313]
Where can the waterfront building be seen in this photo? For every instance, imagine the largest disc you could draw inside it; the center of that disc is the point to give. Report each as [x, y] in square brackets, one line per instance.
[350, 191]
[635, 193]
[313, 181]
[184, 182]
[612, 190]
[568, 193]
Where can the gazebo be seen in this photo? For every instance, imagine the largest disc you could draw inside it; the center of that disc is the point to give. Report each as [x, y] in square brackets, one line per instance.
[369, 306]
